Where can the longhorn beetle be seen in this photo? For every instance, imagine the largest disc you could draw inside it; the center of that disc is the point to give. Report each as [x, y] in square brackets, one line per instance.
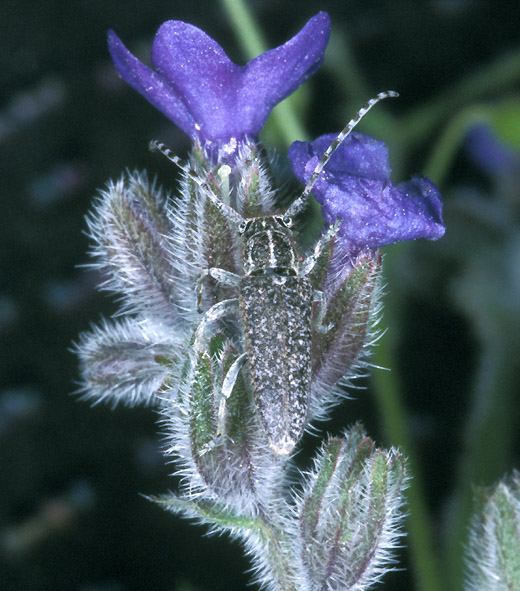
[274, 304]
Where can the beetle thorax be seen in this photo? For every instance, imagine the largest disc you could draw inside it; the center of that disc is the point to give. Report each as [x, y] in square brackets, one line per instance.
[268, 247]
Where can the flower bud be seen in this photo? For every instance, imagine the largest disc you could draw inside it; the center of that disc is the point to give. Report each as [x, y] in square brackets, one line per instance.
[127, 362]
[350, 292]
[217, 439]
[494, 547]
[349, 513]
[129, 226]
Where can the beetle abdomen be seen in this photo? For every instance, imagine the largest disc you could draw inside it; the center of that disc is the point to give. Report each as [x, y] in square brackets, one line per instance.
[276, 320]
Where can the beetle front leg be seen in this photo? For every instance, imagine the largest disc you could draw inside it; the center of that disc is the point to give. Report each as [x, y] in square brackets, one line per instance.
[310, 261]
[221, 275]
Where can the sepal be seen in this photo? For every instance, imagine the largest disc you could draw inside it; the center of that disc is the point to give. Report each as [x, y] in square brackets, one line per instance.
[202, 237]
[493, 554]
[254, 186]
[129, 227]
[349, 514]
[350, 292]
[127, 362]
[218, 441]
[217, 516]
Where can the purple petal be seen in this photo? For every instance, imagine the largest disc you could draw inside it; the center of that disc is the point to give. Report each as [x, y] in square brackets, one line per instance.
[356, 188]
[154, 87]
[204, 93]
[274, 75]
[202, 75]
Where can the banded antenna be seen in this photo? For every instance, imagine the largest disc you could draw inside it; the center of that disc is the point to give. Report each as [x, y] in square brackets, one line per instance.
[299, 204]
[223, 208]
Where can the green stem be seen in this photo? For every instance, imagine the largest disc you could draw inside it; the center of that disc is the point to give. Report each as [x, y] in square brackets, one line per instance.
[246, 30]
[493, 78]
[381, 123]
[448, 144]
[489, 439]
[387, 388]
[278, 558]
[341, 63]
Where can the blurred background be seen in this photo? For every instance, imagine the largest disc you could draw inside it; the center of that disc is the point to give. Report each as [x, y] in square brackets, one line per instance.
[72, 511]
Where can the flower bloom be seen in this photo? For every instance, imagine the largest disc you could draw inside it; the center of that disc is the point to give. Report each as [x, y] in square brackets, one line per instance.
[489, 153]
[355, 187]
[222, 105]
[209, 97]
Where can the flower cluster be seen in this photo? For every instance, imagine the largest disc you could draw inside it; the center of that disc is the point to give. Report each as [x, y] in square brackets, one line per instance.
[239, 339]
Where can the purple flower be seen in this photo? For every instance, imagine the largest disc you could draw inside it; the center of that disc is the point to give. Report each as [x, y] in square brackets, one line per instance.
[489, 153]
[355, 187]
[209, 97]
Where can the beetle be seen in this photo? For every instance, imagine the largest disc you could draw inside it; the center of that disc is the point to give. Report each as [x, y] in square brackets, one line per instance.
[274, 303]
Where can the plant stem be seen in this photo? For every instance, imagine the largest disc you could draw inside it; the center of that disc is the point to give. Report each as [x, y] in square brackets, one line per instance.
[500, 74]
[446, 147]
[392, 412]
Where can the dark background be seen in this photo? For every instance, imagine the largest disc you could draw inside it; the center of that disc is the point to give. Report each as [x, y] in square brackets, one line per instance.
[71, 514]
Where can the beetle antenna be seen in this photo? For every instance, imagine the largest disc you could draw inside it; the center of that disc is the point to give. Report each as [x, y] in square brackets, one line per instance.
[299, 204]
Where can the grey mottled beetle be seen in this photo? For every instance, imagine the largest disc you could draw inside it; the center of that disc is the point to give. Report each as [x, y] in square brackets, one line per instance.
[275, 305]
